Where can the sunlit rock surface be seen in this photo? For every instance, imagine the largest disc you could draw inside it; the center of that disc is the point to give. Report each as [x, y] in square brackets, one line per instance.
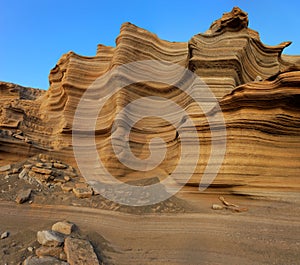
[258, 90]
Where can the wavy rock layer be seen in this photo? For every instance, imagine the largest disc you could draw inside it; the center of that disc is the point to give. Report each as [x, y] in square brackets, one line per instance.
[258, 90]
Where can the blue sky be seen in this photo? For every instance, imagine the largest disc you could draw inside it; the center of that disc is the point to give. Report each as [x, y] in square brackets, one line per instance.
[35, 33]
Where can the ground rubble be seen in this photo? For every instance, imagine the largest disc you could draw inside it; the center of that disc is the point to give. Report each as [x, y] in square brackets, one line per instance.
[42, 179]
[62, 245]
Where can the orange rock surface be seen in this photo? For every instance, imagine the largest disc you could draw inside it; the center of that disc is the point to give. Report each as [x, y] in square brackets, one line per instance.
[258, 90]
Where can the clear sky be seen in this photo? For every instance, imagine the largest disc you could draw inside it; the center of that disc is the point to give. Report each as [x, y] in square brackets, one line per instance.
[35, 33]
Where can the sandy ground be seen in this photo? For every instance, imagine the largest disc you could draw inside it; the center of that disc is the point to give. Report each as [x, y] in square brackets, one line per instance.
[269, 233]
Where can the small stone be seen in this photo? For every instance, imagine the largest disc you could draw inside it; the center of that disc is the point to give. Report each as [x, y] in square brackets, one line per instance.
[44, 171]
[67, 187]
[23, 173]
[23, 196]
[67, 178]
[258, 78]
[49, 251]
[50, 238]
[59, 165]
[19, 137]
[5, 168]
[217, 207]
[82, 192]
[28, 166]
[80, 251]
[40, 165]
[4, 235]
[6, 177]
[30, 249]
[63, 227]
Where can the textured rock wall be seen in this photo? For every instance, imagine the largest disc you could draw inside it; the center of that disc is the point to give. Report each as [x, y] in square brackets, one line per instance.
[258, 89]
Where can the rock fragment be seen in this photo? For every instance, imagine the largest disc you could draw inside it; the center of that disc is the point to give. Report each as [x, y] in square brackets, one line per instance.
[4, 235]
[82, 190]
[49, 251]
[59, 165]
[63, 227]
[30, 249]
[50, 238]
[44, 171]
[80, 252]
[23, 196]
[23, 173]
[5, 168]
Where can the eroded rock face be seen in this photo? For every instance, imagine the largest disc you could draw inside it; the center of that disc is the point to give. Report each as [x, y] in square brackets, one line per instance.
[257, 87]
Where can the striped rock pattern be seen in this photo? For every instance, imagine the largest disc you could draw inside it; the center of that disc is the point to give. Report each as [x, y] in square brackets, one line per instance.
[258, 90]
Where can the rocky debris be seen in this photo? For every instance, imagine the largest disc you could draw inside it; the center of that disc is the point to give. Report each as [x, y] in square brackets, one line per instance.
[4, 235]
[43, 261]
[50, 238]
[61, 184]
[23, 196]
[80, 252]
[63, 227]
[228, 206]
[5, 168]
[45, 171]
[58, 249]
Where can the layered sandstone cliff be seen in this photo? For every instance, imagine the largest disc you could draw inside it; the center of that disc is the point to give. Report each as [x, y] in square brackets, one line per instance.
[258, 90]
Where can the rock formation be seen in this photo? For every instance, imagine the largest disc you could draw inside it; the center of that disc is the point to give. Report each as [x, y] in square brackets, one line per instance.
[257, 87]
